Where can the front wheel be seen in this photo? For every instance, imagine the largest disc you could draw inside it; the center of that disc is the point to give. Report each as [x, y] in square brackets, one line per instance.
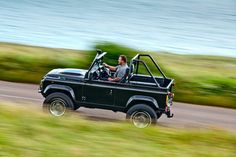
[58, 104]
[141, 115]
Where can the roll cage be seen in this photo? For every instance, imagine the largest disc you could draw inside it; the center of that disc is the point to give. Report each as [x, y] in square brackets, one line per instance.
[137, 60]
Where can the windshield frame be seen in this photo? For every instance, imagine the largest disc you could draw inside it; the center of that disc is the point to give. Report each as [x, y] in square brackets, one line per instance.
[100, 56]
[97, 58]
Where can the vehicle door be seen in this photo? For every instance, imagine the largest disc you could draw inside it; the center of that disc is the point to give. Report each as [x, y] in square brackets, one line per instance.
[98, 92]
[122, 94]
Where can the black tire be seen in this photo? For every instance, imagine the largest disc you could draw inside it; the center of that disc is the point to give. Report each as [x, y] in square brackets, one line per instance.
[144, 113]
[58, 101]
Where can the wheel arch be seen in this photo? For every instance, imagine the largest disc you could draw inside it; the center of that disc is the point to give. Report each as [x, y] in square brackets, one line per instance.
[59, 88]
[141, 99]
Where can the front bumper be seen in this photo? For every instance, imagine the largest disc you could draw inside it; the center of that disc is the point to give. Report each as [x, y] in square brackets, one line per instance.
[40, 89]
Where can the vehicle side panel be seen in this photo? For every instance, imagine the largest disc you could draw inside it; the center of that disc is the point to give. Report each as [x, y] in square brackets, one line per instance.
[124, 94]
[109, 95]
[98, 93]
[77, 87]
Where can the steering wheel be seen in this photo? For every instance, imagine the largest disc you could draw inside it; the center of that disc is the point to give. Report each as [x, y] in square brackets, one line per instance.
[99, 71]
[104, 72]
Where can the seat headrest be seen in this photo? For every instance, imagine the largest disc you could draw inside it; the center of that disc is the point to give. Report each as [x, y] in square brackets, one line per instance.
[127, 71]
[132, 68]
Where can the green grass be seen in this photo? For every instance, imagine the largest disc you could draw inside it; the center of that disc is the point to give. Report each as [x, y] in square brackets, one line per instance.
[28, 132]
[21, 63]
[207, 80]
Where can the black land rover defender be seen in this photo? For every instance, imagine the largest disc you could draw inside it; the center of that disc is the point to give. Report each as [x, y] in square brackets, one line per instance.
[144, 98]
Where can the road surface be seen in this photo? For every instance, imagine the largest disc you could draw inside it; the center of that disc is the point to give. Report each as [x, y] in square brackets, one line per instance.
[186, 115]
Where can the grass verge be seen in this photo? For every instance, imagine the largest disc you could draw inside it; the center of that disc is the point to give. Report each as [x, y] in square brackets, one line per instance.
[28, 132]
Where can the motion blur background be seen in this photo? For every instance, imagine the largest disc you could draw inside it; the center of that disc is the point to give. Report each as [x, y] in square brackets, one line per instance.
[194, 41]
[188, 26]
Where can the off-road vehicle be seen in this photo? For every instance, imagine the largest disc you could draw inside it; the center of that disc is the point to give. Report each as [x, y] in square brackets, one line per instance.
[144, 98]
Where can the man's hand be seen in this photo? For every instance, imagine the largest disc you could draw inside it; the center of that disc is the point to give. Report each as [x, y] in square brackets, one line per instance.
[116, 79]
[112, 68]
[110, 79]
[105, 65]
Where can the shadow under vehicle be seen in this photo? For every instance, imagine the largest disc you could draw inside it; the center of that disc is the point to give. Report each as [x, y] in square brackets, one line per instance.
[144, 98]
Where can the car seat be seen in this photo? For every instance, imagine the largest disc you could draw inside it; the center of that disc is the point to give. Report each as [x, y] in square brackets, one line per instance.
[125, 77]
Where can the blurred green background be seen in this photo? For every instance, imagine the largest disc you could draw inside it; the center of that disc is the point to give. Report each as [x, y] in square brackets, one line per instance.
[25, 132]
[206, 80]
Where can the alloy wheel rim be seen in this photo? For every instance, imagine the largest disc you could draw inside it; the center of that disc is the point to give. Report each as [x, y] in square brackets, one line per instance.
[141, 119]
[57, 108]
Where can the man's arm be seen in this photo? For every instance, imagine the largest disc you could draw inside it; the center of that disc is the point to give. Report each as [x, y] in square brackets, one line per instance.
[112, 68]
[116, 79]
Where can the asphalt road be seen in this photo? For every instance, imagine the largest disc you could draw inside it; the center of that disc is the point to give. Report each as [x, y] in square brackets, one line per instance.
[186, 115]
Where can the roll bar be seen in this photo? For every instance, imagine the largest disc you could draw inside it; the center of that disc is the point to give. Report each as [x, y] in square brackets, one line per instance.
[137, 59]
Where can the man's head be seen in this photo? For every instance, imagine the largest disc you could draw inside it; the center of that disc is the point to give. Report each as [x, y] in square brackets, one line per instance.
[122, 60]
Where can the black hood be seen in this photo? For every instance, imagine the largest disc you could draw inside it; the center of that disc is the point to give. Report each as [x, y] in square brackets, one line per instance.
[68, 71]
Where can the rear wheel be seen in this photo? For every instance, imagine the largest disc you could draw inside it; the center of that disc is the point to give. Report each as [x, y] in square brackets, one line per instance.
[141, 115]
[58, 104]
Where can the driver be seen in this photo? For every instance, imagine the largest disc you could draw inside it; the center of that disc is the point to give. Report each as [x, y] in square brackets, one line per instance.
[120, 69]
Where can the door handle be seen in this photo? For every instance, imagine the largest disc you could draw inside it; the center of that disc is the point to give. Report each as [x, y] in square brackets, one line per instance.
[110, 92]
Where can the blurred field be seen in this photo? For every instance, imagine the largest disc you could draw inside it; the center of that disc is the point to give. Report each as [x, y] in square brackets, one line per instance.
[21, 63]
[28, 132]
[207, 80]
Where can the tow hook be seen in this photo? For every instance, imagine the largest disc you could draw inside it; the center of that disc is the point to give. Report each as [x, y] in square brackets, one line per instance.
[169, 115]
